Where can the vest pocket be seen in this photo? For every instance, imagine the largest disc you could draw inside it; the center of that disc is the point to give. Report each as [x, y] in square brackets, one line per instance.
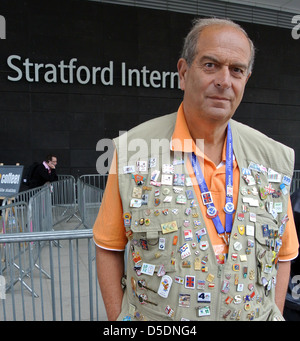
[155, 239]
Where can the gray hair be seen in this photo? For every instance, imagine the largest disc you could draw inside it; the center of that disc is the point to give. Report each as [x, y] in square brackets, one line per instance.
[190, 43]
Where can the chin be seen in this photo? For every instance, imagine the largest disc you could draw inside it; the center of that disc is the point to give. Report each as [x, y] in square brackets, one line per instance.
[219, 115]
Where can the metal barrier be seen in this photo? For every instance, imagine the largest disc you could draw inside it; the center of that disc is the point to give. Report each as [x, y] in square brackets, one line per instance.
[22, 196]
[70, 293]
[63, 198]
[22, 217]
[14, 217]
[40, 211]
[295, 181]
[90, 196]
[28, 236]
[51, 200]
[95, 180]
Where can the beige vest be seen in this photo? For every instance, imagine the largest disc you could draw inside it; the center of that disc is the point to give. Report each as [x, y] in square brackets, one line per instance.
[169, 249]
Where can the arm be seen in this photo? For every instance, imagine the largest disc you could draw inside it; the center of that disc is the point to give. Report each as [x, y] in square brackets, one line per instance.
[283, 276]
[110, 269]
[42, 174]
[52, 175]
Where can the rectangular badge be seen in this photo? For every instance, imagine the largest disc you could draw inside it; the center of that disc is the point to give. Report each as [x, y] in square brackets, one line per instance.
[273, 176]
[148, 269]
[169, 227]
[128, 169]
[206, 198]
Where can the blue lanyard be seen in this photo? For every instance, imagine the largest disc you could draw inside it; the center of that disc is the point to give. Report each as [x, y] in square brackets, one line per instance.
[206, 195]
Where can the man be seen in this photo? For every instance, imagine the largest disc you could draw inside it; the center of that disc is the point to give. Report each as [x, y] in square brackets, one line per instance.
[44, 172]
[206, 218]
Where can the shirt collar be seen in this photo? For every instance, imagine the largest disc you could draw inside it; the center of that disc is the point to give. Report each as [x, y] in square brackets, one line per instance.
[182, 141]
[45, 165]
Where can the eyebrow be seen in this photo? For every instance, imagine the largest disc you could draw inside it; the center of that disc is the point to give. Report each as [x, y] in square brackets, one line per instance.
[215, 60]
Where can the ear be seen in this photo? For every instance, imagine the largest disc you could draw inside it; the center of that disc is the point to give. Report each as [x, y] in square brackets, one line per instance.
[182, 68]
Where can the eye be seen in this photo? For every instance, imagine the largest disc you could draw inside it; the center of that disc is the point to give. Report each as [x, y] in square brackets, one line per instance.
[209, 65]
[237, 71]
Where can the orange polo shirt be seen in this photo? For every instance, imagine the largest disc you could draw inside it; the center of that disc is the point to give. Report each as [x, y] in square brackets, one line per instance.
[109, 231]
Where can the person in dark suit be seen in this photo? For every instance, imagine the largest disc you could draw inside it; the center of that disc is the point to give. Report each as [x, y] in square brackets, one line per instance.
[44, 172]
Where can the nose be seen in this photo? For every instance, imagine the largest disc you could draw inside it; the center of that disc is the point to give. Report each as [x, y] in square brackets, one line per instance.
[223, 78]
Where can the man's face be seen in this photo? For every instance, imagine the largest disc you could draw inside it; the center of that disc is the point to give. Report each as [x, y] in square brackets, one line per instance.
[53, 161]
[214, 83]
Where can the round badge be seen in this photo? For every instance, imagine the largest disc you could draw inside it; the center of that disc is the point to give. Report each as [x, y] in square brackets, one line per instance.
[211, 212]
[229, 208]
[203, 245]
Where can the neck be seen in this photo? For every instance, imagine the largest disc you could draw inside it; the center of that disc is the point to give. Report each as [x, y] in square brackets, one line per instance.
[213, 134]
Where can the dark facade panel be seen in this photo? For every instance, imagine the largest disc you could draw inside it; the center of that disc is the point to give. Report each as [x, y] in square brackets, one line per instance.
[46, 111]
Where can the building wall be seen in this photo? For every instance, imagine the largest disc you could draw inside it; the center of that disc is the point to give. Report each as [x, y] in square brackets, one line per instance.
[38, 116]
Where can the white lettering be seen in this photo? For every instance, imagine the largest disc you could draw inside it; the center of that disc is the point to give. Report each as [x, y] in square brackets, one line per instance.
[15, 68]
[145, 72]
[164, 78]
[10, 178]
[27, 65]
[94, 74]
[87, 75]
[155, 76]
[117, 331]
[62, 66]
[51, 75]
[69, 72]
[2, 27]
[123, 68]
[71, 68]
[131, 72]
[110, 71]
[36, 71]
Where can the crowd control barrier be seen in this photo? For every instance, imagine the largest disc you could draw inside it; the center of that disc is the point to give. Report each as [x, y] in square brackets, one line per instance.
[295, 181]
[34, 266]
[21, 217]
[63, 198]
[90, 190]
[70, 293]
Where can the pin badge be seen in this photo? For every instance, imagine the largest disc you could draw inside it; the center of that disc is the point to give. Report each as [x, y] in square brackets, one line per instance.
[165, 286]
[204, 245]
[206, 198]
[211, 212]
[241, 229]
[127, 219]
[229, 208]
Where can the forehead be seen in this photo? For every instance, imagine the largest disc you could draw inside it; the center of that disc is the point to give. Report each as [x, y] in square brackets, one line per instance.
[224, 42]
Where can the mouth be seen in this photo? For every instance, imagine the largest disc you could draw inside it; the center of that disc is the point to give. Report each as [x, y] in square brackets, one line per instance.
[219, 98]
